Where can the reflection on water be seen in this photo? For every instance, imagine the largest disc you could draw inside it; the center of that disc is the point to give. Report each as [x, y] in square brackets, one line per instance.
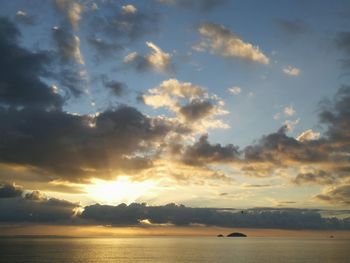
[173, 249]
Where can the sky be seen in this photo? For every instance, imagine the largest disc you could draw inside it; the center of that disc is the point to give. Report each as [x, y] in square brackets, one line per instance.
[175, 112]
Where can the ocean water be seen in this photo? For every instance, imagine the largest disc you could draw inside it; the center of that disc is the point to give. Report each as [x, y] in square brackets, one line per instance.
[174, 249]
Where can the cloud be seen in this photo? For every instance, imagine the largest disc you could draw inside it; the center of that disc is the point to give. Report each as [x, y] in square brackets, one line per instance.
[279, 148]
[21, 72]
[104, 48]
[36, 132]
[197, 109]
[235, 90]
[293, 27]
[202, 5]
[289, 111]
[23, 18]
[9, 190]
[123, 27]
[74, 78]
[116, 87]
[290, 125]
[72, 10]
[308, 135]
[33, 207]
[180, 215]
[320, 159]
[337, 118]
[222, 41]
[157, 60]
[68, 46]
[342, 42]
[22, 206]
[70, 71]
[202, 153]
[60, 145]
[291, 71]
[129, 9]
[315, 177]
[190, 103]
[336, 195]
[169, 91]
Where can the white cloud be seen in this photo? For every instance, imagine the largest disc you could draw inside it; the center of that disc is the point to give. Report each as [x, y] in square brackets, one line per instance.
[289, 111]
[235, 90]
[130, 57]
[290, 125]
[21, 13]
[222, 41]
[308, 135]
[190, 103]
[72, 9]
[129, 9]
[157, 60]
[291, 71]
[168, 92]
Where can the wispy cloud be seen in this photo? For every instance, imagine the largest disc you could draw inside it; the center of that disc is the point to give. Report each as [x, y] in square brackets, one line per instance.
[289, 111]
[235, 90]
[220, 40]
[291, 71]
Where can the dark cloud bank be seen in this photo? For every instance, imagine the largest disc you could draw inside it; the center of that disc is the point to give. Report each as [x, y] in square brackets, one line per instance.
[17, 205]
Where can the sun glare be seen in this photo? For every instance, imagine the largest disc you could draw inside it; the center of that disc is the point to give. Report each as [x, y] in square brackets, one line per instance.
[123, 190]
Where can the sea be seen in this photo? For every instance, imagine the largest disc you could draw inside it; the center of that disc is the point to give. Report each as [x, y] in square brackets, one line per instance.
[173, 249]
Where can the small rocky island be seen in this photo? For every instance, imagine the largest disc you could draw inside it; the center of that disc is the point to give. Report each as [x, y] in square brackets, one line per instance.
[236, 234]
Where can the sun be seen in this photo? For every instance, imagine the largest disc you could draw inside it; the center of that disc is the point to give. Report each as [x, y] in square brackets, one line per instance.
[122, 190]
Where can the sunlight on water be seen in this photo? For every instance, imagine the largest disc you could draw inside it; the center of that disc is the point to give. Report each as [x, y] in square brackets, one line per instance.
[165, 250]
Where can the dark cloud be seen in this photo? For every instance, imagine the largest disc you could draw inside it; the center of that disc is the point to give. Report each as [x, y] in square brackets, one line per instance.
[23, 206]
[34, 207]
[293, 27]
[197, 109]
[181, 215]
[103, 48]
[68, 46]
[317, 177]
[202, 152]
[116, 87]
[74, 79]
[21, 72]
[342, 42]
[70, 70]
[279, 147]
[123, 27]
[9, 190]
[336, 115]
[74, 146]
[338, 195]
[199, 5]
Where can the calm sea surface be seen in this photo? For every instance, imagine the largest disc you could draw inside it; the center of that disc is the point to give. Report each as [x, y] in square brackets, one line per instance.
[174, 249]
